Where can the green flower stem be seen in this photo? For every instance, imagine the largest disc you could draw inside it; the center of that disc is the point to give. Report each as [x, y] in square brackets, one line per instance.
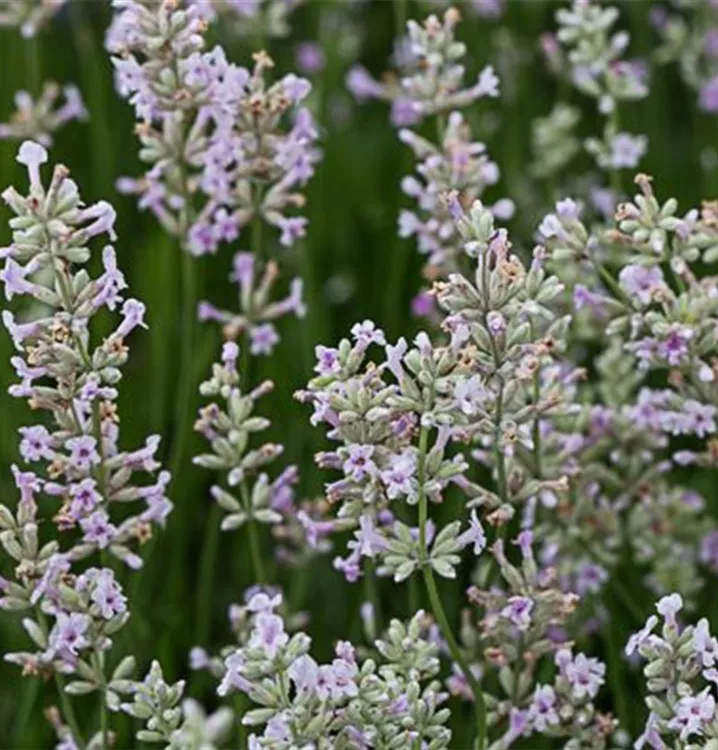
[184, 389]
[372, 593]
[435, 600]
[254, 547]
[400, 17]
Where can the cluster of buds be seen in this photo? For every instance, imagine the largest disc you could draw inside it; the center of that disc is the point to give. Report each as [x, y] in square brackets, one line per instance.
[257, 312]
[213, 132]
[28, 15]
[430, 75]
[511, 333]
[593, 62]
[179, 724]
[62, 373]
[456, 164]
[521, 629]
[37, 119]
[228, 430]
[383, 702]
[253, 19]
[680, 671]
[691, 40]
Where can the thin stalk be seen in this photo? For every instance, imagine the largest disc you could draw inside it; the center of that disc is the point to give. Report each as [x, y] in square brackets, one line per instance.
[34, 65]
[184, 389]
[104, 730]
[613, 651]
[68, 712]
[241, 704]
[435, 600]
[372, 594]
[614, 174]
[207, 571]
[400, 18]
[254, 547]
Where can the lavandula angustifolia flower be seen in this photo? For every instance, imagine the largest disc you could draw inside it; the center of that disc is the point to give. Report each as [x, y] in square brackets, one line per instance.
[374, 412]
[515, 638]
[28, 15]
[430, 75]
[258, 312]
[680, 671]
[691, 40]
[215, 135]
[595, 68]
[37, 119]
[214, 132]
[457, 164]
[431, 84]
[384, 702]
[62, 373]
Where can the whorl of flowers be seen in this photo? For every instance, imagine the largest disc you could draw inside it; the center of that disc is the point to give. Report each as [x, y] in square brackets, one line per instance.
[679, 665]
[593, 62]
[430, 75]
[457, 164]
[28, 15]
[214, 133]
[258, 312]
[37, 119]
[387, 700]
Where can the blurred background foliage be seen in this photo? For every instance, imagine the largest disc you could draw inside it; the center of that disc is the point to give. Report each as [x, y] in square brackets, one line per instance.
[353, 264]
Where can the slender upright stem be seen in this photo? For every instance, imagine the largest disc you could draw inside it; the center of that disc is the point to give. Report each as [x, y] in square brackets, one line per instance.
[372, 593]
[614, 173]
[399, 17]
[207, 572]
[254, 547]
[184, 389]
[435, 600]
[99, 664]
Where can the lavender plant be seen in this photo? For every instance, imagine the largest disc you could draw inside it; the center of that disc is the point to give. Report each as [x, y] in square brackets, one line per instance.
[84, 475]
